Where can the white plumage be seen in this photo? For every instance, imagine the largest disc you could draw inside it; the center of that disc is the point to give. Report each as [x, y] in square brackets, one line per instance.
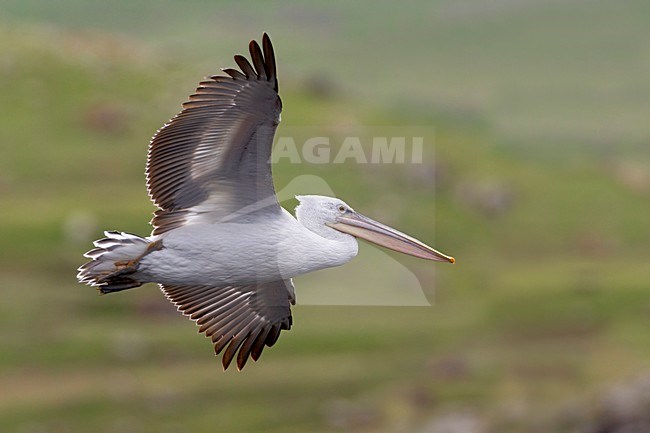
[266, 248]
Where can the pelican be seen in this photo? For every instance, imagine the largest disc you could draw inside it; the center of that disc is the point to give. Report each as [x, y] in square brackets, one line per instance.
[222, 249]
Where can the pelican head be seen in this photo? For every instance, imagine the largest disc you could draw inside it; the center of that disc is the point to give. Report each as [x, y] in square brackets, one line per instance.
[332, 218]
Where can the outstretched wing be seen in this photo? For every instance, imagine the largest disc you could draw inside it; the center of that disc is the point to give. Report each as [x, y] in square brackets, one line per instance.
[243, 319]
[212, 160]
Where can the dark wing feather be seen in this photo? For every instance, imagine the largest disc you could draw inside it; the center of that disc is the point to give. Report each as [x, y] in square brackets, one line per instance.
[245, 66]
[212, 160]
[269, 57]
[242, 320]
[234, 73]
[258, 59]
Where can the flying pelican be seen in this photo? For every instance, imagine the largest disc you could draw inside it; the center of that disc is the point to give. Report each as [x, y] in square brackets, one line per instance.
[222, 249]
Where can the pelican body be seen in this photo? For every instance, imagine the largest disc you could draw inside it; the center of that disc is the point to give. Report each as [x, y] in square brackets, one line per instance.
[222, 249]
[268, 248]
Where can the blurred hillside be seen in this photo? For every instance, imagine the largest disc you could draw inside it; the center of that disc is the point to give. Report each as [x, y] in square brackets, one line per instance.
[536, 178]
[540, 70]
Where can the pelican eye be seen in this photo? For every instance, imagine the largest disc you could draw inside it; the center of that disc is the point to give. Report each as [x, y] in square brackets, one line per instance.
[342, 208]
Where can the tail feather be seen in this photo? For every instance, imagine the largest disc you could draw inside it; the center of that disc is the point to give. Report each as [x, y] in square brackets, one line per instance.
[114, 261]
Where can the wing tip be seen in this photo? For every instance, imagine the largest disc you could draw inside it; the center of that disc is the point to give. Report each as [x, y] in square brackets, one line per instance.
[263, 58]
[269, 59]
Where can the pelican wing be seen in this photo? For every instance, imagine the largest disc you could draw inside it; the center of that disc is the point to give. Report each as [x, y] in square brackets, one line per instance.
[212, 160]
[241, 320]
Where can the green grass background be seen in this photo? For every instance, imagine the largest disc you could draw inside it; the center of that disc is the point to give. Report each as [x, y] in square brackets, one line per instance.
[543, 104]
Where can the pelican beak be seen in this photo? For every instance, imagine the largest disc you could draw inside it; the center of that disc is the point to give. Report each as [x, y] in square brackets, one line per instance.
[365, 228]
